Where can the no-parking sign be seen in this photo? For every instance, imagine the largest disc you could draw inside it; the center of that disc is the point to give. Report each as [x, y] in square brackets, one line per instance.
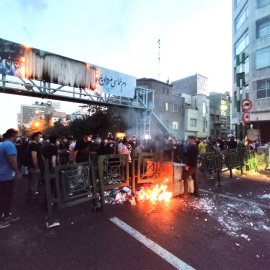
[246, 117]
[246, 104]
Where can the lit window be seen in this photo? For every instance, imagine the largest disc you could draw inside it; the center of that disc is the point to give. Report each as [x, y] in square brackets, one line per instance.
[223, 113]
[175, 125]
[167, 106]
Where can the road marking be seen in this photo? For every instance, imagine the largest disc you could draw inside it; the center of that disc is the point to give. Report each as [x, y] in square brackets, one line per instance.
[237, 199]
[163, 253]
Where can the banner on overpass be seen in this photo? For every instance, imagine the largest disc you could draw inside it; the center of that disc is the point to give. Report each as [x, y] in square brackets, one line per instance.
[25, 62]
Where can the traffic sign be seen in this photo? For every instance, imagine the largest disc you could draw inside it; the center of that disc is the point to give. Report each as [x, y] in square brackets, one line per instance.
[246, 117]
[246, 104]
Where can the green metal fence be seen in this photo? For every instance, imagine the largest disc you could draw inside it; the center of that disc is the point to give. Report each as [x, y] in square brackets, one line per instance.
[68, 185]
[146, 168]
[213, 163]
[113, 172]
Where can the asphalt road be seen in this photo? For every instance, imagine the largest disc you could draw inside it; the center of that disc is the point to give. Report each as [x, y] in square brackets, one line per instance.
[211, 233]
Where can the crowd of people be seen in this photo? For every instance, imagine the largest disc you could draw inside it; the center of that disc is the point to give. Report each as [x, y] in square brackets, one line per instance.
[22, 155]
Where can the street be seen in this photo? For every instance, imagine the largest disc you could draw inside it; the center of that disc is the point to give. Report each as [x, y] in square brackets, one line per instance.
[213, 232]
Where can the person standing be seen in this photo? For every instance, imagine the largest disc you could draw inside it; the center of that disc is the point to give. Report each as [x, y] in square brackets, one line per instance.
[50, 152]
[232, 143]
[9, 171]
[63, 150]
[82, 149]
[71, 148]
[35, 166]
[191, 167]
[202, 147]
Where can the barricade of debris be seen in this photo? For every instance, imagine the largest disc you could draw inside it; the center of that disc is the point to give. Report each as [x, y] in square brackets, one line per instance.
[119, 195]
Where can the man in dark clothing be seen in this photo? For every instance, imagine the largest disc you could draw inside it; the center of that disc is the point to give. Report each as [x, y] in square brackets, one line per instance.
[82, 149]
[35, 166]
[107, 147]
[168, 149]
[63, 151]
[50, 152]
[232, 143]
[191, 167]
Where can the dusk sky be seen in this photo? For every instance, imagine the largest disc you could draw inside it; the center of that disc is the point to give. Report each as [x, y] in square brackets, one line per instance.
[122, 35]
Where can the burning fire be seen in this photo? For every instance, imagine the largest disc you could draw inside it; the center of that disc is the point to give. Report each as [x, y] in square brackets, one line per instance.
[155, 193]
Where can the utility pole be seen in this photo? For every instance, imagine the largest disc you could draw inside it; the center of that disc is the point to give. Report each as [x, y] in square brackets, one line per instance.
[158, 58]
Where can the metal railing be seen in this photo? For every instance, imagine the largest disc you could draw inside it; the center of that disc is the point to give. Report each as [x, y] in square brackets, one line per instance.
[68, 185]
[113, 172]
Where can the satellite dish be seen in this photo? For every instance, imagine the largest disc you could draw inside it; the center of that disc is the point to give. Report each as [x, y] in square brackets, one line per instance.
[49, 103]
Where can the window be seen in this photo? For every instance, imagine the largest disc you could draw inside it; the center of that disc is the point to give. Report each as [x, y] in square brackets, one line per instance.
[163, 90]
[244, 67]
[181, 109]
[242, 43]
[204, 108]
[263, 89]
[262, 3]
[206, 124]
[223, 102]
[236, 3]
[165, 106]
[212, 132]
[241, 18]
[193, 122]
[223, 113]
[175, 125]
[217, 132]
[263, 27]
[263, 58]
[168, 91]
[175, 108]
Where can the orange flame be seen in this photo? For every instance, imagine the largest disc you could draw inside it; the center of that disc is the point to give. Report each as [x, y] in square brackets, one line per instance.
[158, 193]
[22, 71]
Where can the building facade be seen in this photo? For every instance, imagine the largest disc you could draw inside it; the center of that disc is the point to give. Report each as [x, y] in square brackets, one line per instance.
[194, 90]
[168, 114]
[220, 114]
[192, 85]
[251, 64]
[38, 110]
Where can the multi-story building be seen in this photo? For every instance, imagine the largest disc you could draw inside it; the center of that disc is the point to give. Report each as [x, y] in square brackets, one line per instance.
[220, 114]
[251, 64]
[194, 91]
[30, 113]
[168, 113]
[192, 85]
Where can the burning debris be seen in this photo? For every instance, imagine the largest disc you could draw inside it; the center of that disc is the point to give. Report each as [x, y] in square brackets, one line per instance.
[118, 196]
[156, 192]
[152, 192]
